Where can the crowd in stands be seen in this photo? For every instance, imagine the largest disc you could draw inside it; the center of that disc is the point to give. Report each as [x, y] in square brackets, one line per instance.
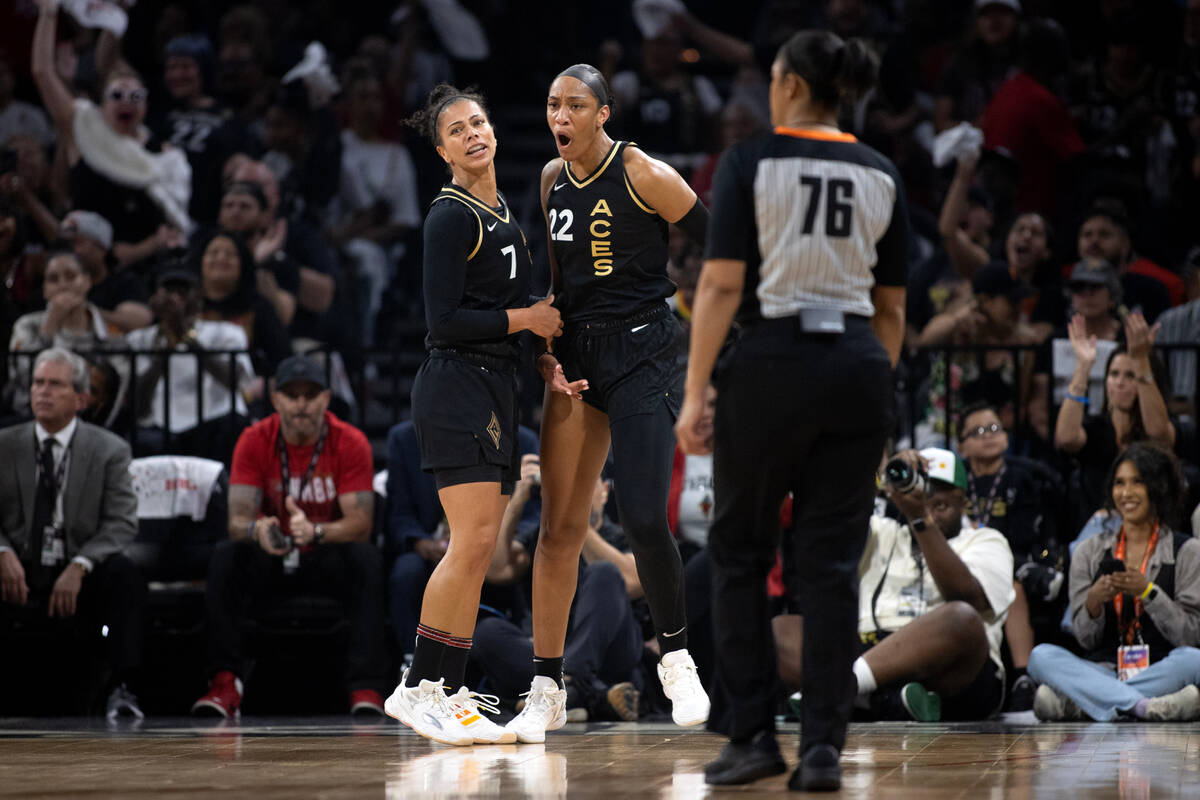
[192, 192]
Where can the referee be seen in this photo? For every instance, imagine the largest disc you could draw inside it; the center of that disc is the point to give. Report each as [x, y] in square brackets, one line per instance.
[806, 247]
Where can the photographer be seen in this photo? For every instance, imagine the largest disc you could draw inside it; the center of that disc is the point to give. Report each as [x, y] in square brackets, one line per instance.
[933, 596]
[1135, 607]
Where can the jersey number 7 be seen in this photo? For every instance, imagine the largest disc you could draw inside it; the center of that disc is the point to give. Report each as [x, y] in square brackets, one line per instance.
[839, 207]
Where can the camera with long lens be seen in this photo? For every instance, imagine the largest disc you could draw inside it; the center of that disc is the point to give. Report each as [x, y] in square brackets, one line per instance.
[901, 476]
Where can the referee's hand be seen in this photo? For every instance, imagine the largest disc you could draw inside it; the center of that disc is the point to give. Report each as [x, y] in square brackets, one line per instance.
[693, 432]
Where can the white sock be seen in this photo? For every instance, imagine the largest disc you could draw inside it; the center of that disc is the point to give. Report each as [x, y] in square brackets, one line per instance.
[866, 678]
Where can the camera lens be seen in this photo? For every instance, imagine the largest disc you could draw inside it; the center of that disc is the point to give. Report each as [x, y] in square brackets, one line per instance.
[900, 475]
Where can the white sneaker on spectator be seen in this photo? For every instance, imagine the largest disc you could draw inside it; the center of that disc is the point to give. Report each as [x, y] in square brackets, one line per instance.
[483, 729]
[681, 685]
[545, 710]
[427, 710]
[1180, 706]
[1050, 706]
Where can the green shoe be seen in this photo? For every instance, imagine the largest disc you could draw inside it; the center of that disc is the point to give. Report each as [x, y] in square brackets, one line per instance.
[920, 703]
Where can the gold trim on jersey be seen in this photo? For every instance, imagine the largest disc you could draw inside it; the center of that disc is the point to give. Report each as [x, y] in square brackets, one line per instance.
[450, 191]
[479, 239]
[597, 172]
[633, 193]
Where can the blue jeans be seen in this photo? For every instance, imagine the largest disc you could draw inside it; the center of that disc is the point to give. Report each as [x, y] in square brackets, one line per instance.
[1095, 688]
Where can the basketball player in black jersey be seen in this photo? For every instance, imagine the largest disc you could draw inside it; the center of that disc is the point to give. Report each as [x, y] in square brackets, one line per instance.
[477, 274]
[607, 207]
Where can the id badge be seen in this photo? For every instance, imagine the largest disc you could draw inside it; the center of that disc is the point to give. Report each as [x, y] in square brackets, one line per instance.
[53, 546]
[291, 562]
[1132, 659]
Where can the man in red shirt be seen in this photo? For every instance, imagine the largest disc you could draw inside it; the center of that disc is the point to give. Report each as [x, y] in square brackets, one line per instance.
[300, 523]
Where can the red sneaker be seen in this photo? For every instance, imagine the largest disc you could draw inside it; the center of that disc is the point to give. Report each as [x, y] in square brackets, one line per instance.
[223, 699]
[366, 702]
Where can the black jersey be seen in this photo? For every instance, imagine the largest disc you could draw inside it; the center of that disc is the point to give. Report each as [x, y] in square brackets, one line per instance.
[477, 264]
[611, 246]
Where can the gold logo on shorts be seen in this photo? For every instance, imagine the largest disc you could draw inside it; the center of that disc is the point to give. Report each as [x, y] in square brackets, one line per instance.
[493, 429]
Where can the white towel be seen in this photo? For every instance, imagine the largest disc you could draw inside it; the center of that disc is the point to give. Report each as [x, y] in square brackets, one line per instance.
[102, 14]
[165, 176]
[174, 486]
[964, 139]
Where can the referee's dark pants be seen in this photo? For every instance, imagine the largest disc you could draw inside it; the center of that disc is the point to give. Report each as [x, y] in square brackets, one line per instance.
[807, 413]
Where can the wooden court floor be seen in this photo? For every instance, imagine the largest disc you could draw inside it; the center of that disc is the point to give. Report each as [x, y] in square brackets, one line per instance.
[336, 758]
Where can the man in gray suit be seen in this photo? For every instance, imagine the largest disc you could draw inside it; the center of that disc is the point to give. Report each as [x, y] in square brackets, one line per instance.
[67, 512]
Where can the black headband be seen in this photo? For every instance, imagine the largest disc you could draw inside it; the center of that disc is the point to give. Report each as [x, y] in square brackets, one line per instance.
[452, 99]
[590, 77]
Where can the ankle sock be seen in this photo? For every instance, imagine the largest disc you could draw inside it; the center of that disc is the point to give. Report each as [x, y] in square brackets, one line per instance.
[432, 649]
[864, 676]
[551, 668]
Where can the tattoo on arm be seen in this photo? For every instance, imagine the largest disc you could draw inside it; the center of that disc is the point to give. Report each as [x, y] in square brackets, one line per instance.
[244, 502]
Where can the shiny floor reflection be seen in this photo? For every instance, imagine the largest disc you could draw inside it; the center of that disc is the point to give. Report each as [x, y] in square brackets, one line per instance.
[333, 758]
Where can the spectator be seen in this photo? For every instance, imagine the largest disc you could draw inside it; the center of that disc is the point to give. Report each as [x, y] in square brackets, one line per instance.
[69, 321]
[30, 187]
[1019, 498]
[1135, 607]
[932, 602]
[193, 121]
[1093, 292]
[376, 205]
[194, 406]
[1105, 234]
[1181, 325]
[18, 118]
[300, 514]
[229, 287]
[415, 518]
[244, 211]
[302, 141]
[1028, 121]
[977, 70]
[1133, 408]
[303, 245]
[604, 638]
[740, 119]
[669, 112]
[116, 167]
[67, 511]
[20, 269]
[994, 375]
[120, 296]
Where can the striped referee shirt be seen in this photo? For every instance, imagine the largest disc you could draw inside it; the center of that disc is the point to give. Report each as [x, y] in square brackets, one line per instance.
[818, 217]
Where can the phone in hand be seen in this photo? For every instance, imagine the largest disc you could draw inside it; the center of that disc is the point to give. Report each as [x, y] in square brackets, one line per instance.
[278, 540]
[1109, 565]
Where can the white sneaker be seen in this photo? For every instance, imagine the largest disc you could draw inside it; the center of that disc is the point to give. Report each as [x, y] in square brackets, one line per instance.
[1052, 706]
[483, 729]
[545, 710]
[427, 710]
[1180, 706]
[681, 684]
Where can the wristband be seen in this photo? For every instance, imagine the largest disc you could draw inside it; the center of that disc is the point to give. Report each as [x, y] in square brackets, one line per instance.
[1149, 588]
[1082, 399]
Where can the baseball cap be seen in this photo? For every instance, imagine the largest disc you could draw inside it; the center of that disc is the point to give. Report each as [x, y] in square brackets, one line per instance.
[89, 224]
[1097, 271]
[946, 467]
[995, 280]
[299, 368]
[176, 273]
[1015, 5]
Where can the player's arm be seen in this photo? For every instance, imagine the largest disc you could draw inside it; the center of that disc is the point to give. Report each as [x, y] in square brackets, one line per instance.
[667, 193]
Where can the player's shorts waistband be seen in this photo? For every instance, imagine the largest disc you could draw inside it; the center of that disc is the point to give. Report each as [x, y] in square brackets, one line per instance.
[497, 363]
[606, 326]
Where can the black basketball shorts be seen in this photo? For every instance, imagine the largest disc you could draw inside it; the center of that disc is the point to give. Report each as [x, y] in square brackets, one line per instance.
[466, 417]
[630, 365]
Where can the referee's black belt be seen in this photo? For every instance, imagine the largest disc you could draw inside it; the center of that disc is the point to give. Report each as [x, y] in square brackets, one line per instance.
[497, 363]
[791, 326]
[605, 326]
